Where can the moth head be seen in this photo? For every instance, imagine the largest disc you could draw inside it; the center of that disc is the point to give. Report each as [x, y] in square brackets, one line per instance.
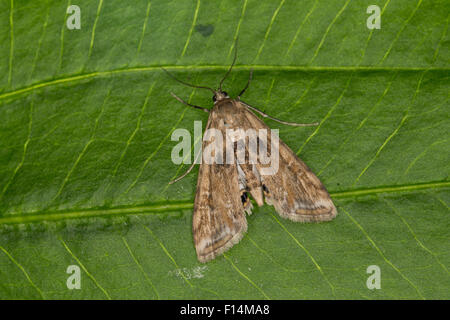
[219, 95]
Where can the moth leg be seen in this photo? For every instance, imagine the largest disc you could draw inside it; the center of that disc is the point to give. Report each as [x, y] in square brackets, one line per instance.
[188, 104]
[246, 86]
[294, 124]
[183, 175]
[186, 173]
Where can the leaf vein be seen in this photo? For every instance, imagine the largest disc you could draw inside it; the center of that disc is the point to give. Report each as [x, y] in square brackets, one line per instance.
[269, 28]
[328, 30]
[405, 117]
[136, 129]
[98, 74]
[399, 32]
[300, 27]
[140, 267]
[61, 49]
[83, 151]
[361, 124]
[424, 152]
[243, 275]
[157, 148]
[236, 33]
[191, 29]
[415, 236]
[11, 43]
[36, 55]
[327, 115]
[143, 28]
[381, 253]
[91, 45]
[371, 32]
[265, 253]
[167, 254]
[436, 52]
[23, 271]
[84, 268]
[173, 206]
[25, 147]
[319, 268]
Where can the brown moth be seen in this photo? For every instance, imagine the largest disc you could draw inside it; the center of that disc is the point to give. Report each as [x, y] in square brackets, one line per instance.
[222, 196]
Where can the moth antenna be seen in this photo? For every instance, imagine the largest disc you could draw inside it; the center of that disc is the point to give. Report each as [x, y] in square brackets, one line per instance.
[281, 121]
[231, 67]
[186, 173]
[246, 86]
[188, 104]
[187, 84]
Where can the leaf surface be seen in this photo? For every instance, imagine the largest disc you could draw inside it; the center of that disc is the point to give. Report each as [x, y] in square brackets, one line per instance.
[85, 147]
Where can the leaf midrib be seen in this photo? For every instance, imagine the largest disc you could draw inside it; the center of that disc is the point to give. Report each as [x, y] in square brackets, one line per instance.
[98, 74]
[171, 206]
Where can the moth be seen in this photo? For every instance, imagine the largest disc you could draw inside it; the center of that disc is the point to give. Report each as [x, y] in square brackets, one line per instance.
[222, 197]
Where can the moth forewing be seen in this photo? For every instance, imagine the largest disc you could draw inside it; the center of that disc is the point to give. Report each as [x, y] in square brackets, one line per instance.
[219, 215]
[294, 191]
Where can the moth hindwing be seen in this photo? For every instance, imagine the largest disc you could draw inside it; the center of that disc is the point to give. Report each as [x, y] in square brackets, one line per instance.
[224, 188]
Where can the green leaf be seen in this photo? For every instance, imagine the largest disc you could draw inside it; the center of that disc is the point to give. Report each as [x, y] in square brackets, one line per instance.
[86, 119]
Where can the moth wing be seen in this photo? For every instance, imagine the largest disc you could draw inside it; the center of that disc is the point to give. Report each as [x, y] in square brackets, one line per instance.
[294, 190]
[219, 219]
